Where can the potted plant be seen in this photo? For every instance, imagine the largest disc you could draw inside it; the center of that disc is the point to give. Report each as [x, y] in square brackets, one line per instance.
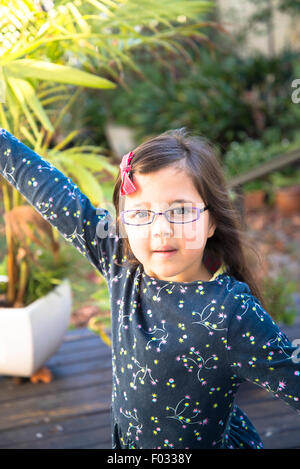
[285, 191]
[255, 195]
[33, 328]
[288, 200]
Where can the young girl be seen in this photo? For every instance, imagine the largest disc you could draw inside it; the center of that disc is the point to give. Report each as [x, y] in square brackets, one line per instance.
[185, 336]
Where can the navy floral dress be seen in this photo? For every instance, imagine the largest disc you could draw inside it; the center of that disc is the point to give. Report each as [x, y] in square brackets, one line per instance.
[180, 350]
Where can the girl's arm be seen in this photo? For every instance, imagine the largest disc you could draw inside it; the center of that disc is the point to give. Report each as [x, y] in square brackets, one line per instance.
[260, 352]
[58, 200]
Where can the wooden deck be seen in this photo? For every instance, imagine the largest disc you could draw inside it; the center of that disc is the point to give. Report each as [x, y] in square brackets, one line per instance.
[73, 411]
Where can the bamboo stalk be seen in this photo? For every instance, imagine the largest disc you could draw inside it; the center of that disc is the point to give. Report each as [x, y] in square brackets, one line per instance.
[11, 261]
[104, 336]
[23, 279]
[16, 197]
[100, 328]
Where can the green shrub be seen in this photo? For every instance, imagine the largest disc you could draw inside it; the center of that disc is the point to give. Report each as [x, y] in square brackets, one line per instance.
[241, 157]
[278, 294]
[46, 275]
[207, 97]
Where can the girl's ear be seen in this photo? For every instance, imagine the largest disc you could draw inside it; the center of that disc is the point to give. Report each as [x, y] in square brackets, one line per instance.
[211, 227]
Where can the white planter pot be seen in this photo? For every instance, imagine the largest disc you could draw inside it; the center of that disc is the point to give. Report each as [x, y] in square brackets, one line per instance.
[30, 336]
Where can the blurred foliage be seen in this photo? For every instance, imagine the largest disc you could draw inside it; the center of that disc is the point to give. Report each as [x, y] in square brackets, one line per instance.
[44, 273]
[219, 95]
[47, 274]
[264, 9]
[280, 304]
[243, 156]
[290, 6]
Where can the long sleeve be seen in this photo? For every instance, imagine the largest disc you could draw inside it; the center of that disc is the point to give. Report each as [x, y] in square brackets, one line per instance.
[59, 201]
[260, 352]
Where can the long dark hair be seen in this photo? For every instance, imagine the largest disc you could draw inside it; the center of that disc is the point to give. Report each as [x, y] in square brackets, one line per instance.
[229, 244]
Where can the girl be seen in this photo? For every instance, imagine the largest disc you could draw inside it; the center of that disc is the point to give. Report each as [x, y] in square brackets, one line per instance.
[185, 335]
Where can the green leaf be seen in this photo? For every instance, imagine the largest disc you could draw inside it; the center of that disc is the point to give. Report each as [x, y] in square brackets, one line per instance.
[25, 89]
[83, 25]
[20, 98]
[85, 180]
[93, 162]
[27, 135]
[3, 120]
[66, 140]
[38, 69]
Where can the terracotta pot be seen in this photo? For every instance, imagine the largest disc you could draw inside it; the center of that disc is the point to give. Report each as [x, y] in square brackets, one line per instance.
[288, 200]
[254, 200]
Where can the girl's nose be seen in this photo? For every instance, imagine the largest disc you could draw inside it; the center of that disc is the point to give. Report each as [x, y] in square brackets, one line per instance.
[161, 226]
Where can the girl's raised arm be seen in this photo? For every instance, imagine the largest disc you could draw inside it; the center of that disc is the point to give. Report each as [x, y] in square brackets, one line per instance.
[58, 200]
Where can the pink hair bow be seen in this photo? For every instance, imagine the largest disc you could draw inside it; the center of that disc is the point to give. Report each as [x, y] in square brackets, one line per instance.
[127, 186]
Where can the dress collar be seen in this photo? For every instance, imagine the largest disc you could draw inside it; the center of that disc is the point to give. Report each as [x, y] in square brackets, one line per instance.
[160, 282]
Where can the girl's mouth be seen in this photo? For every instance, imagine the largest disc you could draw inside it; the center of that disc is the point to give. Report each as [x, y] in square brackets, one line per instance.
[165, 254]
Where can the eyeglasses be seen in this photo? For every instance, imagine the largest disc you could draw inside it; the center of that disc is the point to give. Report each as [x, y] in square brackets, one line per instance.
[174, 215]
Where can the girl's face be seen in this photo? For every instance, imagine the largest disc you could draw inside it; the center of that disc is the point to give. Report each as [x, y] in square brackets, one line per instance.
[158, 191]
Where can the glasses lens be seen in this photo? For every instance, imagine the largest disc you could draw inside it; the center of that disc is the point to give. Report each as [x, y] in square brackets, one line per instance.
[137, 217]
[182, 214]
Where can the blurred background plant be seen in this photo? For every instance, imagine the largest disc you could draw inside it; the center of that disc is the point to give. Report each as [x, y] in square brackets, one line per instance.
[223, 97]
[279, 298]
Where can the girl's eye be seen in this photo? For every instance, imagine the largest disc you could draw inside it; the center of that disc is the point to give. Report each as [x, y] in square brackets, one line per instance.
[182, 214]
[141, 213]
[180, 210]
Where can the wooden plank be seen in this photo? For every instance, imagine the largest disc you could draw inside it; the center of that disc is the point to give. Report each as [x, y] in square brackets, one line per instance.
[73, 411]
[285, 440]
[78, 334]
[79, 356]
[61, 405]
[263, 170]
[99, 446]
[74, 440]
[275, 425]
[59, 431]
[274, 415]
[102, 374]
[266, 407]
[80, 345]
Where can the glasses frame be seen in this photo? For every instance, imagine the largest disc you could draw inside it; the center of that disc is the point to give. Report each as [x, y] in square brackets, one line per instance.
[199, 211]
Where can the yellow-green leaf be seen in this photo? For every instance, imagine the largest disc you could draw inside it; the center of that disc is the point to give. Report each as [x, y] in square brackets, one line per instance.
[41, 70]
[86, 181]
[27, 91]
[93, 162]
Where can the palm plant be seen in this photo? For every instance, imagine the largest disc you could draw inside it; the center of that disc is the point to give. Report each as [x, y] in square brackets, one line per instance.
[45, 49]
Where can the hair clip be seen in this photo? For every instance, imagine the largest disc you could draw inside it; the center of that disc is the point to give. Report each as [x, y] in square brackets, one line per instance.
[127, 186]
